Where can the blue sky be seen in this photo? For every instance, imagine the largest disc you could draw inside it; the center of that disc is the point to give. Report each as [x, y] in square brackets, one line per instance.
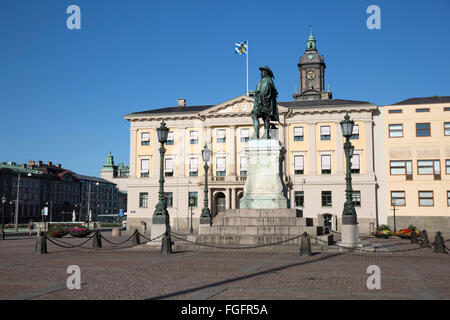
[64, 93]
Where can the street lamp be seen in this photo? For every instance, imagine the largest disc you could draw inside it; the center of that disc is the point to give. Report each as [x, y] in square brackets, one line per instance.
[88, 213]
[349, 220]
[394, 202]
[205, 217]
[191, 204]
[16, 220]
[3, 216]
[160, 219]
[51, 209]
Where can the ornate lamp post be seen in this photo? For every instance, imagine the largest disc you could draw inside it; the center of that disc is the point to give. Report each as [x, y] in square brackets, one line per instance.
[160, 220]
[394, 203]
[191, 204]
[3, 216]
[350, 235]
[205, 217]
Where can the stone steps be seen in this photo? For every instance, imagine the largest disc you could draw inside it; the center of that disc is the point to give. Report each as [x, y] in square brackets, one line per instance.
[262, 221]
[261, 230]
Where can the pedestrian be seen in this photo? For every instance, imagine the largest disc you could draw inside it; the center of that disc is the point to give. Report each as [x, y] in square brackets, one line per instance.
[30, 227]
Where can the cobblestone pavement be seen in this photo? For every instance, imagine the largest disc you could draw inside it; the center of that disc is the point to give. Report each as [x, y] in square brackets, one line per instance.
[192, 274]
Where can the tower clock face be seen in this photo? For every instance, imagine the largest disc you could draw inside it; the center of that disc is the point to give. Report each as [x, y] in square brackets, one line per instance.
[310, 75]
[310, 56]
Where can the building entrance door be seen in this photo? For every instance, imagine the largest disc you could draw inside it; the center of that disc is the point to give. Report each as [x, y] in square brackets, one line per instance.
[327, 222]
[220, 202]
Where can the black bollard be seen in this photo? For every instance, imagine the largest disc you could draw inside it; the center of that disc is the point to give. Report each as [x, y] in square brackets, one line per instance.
[41, 244]
[166, 244]
[305, 245]
[136, 238]
[97, 240]
[424, 243]
[439, 246]
[414, 237]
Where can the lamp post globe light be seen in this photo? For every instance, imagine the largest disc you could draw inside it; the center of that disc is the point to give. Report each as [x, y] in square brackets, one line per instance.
[160, 219]
[3, 216]
[350, 234]
[205, 217]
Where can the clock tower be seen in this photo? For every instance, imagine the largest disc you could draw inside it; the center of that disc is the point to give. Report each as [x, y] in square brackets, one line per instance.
[312, 74]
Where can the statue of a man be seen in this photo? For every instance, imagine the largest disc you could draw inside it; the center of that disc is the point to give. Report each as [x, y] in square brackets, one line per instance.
[265, 105]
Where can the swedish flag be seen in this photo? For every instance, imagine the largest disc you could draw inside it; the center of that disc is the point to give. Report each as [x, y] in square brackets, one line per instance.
[241, 48]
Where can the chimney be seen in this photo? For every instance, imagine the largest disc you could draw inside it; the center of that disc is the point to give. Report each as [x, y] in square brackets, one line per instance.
[181, 102]
[39, 163]
[50, 163]
[31, 163]
[59, 165]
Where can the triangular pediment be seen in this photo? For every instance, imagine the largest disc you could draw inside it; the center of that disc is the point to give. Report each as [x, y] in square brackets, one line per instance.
[239, 105]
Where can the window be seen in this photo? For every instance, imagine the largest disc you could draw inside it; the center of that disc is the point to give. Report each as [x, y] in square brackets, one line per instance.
[193, 199]
[244, 166]
[145, 138]
[447, 166]
[423, 129]
[355, 163]
[168, 197]
[356, 198]
[448, 198]
[145, 167]
[326, 164]
[426, 198]
[446, 108]
[245, 134]
[193, 167]
[395, 130]
[143, 200]
[168, 171]
[170, 138]
[221, 135]
[395, 111]
[398, 198]
[299, 197]
[325, 133]
[193, 137]
[298, 133]
[326, 199]
[446, 128]
[355, 132]
[220, 167]
[429, 167]
[401, 167]
[423, 110]
[298, 164]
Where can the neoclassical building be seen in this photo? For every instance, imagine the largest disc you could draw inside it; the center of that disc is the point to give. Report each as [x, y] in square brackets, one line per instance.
[309, 130]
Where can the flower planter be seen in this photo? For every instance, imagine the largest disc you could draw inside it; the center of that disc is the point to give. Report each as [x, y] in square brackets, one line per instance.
[79, 232]
[57, 233]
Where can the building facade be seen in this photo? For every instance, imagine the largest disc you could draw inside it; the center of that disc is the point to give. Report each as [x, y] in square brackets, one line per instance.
[417, 162]
[309, 130]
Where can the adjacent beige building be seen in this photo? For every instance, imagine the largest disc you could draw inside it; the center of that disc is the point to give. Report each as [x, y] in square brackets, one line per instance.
[417, 162]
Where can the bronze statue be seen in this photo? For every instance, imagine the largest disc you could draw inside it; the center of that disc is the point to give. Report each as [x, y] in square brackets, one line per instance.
[265, 105]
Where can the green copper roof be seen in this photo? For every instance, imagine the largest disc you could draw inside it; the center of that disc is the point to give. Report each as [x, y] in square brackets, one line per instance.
[311, 42]
[109, 161]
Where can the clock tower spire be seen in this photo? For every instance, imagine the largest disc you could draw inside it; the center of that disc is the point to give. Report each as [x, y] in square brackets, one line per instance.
[312, 73]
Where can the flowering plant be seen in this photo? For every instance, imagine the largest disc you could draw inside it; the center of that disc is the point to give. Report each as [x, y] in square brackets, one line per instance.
[57, 233]
[406, 233]
[383, 233]
[79, 232]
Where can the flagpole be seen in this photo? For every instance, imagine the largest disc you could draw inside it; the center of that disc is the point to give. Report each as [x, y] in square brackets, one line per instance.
[247, 66]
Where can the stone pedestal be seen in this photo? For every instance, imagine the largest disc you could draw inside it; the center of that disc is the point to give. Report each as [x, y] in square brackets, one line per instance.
[263, 188]
[350, 236]
[116, 232]
[158, 228]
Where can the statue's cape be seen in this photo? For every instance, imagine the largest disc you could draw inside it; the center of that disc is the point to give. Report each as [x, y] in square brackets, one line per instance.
[266, 98]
